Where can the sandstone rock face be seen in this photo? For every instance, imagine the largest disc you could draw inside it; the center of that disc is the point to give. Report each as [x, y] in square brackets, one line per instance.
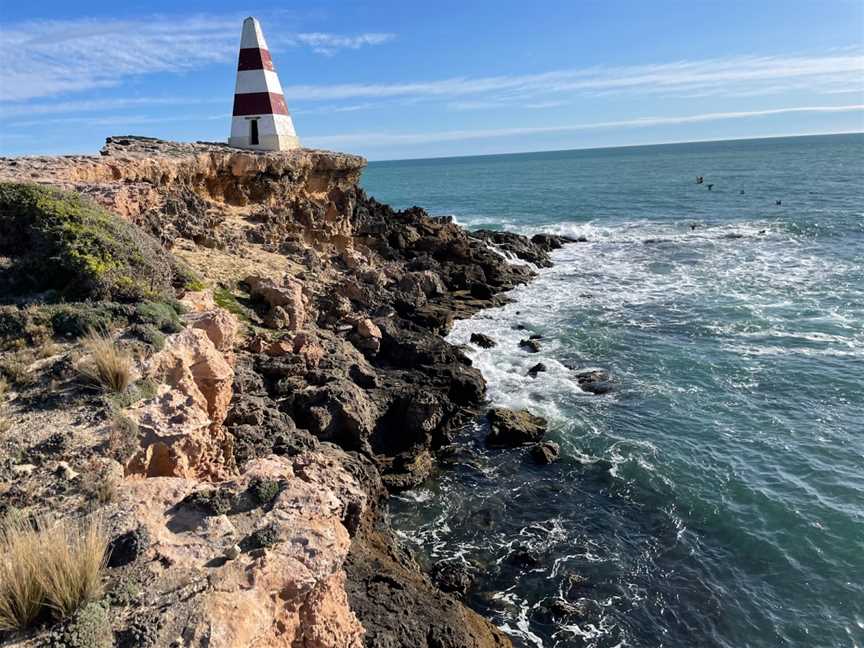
[288, 593]
[286, 296]
[181, 427]
[142, 178]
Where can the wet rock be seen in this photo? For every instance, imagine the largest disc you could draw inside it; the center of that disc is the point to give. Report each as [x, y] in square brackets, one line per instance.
[523, 556]
[454, 577]
[531, 346]
[536, 369]
[549, 242]
[409, 470]
[483, 341]
[595, 381]
[512, 428]
[519, 246]
[546, 452]
[399, 606]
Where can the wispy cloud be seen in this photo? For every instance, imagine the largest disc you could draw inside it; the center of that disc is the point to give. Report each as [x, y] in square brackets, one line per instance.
[9, 111]
[329, 44]
[390, 139]
[50, 58]
[741, 74]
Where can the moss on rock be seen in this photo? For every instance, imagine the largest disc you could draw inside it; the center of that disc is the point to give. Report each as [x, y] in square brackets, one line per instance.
[60, 241]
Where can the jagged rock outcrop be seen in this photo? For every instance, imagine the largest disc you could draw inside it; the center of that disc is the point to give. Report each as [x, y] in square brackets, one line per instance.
[178, 189]
[181, 432]
[314, 364]
[285, 585]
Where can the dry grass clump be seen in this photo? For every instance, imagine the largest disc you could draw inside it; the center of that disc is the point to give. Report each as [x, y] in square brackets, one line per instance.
[108, 365]
[47, 566]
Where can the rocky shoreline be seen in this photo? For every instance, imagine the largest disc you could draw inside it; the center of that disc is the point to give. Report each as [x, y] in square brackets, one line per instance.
[302, 378]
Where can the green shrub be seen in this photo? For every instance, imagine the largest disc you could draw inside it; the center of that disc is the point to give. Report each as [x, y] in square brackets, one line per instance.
[224, 298]
[264, 490]
[62, 241]
[149, 335]
[89, 628]
[161, 315]
[75, 320]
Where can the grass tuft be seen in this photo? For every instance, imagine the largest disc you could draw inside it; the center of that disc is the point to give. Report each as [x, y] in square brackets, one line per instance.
[48, 567]
[108, 365]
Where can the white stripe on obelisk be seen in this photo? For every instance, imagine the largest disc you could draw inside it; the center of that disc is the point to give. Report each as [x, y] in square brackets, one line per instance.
[257, 81]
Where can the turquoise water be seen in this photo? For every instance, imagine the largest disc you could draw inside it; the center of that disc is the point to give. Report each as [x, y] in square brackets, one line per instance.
[716, 496]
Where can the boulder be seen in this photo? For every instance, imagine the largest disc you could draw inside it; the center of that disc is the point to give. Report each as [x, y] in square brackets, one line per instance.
[545, 452]
[454, 577]
[366, 328]
[536, 369]
[180, 428]
[512, 428]
[483, 341]
[549, 242]
[219, 325]
[594, 381]
[288, 296]
[290, 593]
[531, 346]
[339, 411]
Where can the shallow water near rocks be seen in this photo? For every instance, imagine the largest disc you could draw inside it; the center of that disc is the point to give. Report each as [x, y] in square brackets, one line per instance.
[716, 496]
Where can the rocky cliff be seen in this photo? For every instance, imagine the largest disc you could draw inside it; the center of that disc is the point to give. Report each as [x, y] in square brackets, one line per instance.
[288, 372]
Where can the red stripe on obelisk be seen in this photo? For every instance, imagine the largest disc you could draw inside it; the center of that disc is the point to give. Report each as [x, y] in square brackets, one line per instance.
[259, 103]
[254, 58]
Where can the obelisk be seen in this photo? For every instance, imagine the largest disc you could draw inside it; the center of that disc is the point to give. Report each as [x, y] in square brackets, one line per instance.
[261, 120]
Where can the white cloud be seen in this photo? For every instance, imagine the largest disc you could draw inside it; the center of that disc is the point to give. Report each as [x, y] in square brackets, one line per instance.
[329, 44]
[742, 74]
[375, 139]
[99, 105]
[49, 58]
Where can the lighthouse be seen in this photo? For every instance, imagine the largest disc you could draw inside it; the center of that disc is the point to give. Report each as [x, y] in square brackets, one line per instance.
[261, 120]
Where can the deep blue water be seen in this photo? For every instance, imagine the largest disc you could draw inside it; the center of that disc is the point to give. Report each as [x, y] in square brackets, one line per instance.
[716, 496]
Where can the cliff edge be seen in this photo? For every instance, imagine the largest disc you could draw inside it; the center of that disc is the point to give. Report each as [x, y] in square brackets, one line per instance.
[277, 335]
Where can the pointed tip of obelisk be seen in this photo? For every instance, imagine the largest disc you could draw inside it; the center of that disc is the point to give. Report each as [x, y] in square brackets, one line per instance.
[252, 36]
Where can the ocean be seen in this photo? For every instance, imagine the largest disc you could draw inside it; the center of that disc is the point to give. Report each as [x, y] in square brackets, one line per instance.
[716, 496]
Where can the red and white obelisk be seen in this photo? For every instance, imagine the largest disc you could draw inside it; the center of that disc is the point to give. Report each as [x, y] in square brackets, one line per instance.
[261, 119]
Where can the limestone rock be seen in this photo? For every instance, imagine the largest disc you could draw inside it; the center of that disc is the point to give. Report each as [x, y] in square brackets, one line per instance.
[180, 429]
[287, 296]
[219, 325]
[289, 594]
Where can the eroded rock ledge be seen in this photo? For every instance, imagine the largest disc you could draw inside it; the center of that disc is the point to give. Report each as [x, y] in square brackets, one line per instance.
[328, 381]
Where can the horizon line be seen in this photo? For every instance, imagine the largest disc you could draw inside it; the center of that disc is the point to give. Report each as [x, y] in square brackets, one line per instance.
[619, 146]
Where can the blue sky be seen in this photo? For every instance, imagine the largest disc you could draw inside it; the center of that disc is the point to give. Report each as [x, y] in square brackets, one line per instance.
[403, 79]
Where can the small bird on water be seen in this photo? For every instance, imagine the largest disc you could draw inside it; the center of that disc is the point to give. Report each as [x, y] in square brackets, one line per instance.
[778, 202]
[699, 179]
[710, 186]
